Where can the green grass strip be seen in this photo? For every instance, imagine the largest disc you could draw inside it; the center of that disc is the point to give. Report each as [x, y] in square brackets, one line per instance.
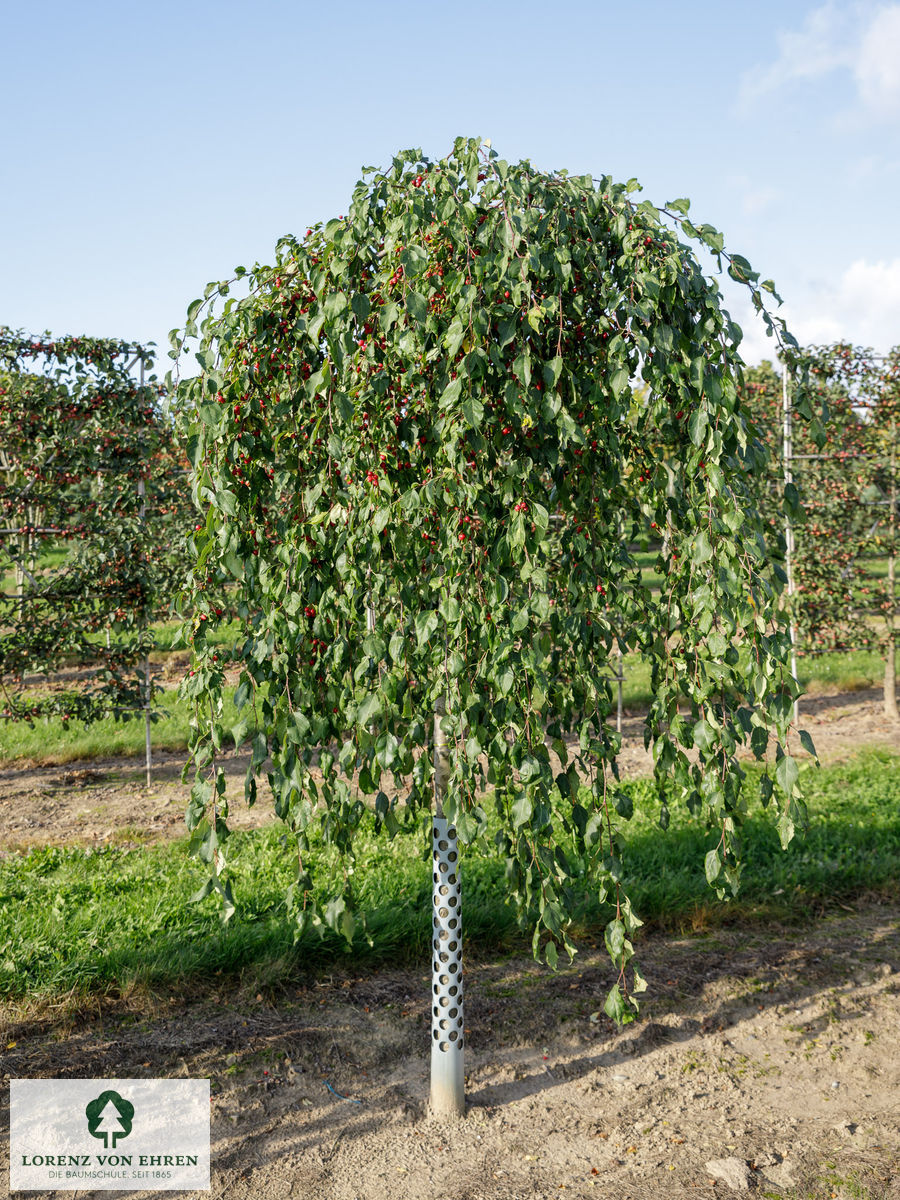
[87, 920]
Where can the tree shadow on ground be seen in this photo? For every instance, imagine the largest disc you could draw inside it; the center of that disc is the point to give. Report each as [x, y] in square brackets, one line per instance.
[367, 1034]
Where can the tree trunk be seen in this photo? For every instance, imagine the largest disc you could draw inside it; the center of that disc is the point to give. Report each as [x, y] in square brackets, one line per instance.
[447, 1077]
[890, 650]
[890, 684]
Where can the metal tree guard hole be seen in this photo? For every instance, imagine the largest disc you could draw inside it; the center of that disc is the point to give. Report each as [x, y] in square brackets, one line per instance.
[447, 1012]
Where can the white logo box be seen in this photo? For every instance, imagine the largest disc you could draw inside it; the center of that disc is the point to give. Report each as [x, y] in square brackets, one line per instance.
[109, 1134]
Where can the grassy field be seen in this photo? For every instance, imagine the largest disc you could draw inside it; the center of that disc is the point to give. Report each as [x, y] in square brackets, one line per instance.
[94, 920]
[48, 742]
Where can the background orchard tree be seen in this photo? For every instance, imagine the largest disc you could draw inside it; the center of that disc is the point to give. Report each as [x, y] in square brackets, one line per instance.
[424, 411]
[90, 474]
[882, 442]
[842, 501]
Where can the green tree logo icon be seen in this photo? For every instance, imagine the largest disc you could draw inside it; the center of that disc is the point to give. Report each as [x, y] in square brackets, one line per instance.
[109, 1116]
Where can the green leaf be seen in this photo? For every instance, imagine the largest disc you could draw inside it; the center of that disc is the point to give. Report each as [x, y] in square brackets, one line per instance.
[260, 750]
[616, 1008]
[505, 682]
[449, 609]
[697, 426]
[387, 316]
[615, 939]
[227, 502]
[520, 620]
[807, 743]
[339, 918]
[522, 810]
[759, 741]
[704, 735]
[716, 644]
[473, 411]
[239, 732]
[335, 304]
[417, 307]
[368, 710]
[426, 624]
[702, 550]
[698, 368]
[450, 394]
[619, 381]
[712, 865]
[201, 892]
[506, 330]
[344, 405]
[785, 829]
[624, 804]
[552, 371]
[787, 772]
[540, 516]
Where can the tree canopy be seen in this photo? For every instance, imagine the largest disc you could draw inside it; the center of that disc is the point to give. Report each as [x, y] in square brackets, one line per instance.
[422, 454]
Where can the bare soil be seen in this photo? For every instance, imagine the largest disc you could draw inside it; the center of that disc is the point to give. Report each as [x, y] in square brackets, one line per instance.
[773, 1049]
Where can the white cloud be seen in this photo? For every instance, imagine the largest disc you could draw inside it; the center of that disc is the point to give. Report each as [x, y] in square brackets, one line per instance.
[877, 65]
[860, 39]
[817, 49]
[755, 201]
[862, 306]
[755, 345]
[874, 171]
[753, 196]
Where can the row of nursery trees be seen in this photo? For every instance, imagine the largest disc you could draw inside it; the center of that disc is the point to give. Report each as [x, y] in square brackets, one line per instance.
[842, 499]
[96, 514]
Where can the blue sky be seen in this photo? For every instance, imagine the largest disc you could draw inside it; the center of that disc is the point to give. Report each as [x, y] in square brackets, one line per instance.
[150, 149]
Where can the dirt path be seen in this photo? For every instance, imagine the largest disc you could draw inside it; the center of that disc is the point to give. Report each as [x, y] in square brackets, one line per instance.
[775, 1050]
[105, 800]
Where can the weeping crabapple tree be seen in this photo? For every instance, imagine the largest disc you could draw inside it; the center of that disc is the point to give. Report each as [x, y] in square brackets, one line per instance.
[421, 461]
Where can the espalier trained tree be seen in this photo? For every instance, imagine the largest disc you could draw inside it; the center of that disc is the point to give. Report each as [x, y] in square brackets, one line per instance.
[847, 486]
[421, 460]
[94, 509]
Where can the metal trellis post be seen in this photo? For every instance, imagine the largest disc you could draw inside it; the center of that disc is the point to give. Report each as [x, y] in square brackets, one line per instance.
[142, 492]
[788, 527]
